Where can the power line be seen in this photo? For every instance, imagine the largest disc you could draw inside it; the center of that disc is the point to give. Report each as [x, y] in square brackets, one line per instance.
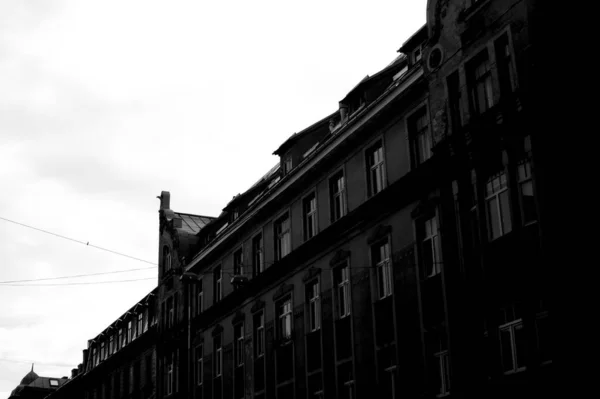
[77, 241]
[40, 363]
[85, 283]
[75, 276]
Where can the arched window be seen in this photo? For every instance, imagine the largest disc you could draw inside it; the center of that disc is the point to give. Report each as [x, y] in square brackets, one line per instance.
[166, 258]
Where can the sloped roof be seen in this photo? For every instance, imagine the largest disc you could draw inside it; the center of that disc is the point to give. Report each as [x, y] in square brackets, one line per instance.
[193, 223]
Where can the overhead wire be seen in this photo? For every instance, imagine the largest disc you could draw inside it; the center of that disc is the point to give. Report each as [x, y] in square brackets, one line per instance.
[76, 283]
[76, 275]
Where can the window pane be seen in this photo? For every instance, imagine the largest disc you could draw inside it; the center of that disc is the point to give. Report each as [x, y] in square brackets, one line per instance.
[493, 218]
[507, 350]
[520, 344]
[528, 202]
[505, 210]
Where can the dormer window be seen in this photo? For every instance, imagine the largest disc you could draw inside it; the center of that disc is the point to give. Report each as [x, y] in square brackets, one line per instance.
[287, 164]
[417, 55]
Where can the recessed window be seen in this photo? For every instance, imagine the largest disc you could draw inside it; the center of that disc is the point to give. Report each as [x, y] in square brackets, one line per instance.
[417, 55]
[199, 365]
[238, 263]
[420, 136]
[259, 334]
[238, 333]
[527, 199]
[167, 258]
[504, 63]
[284, 316]
[283, 237]
[498, 207]
[170, 375]
[170, 313]
[218, 355]
[258, 262]
[53, 383]
[217, 282]
[432, 259]
[199, 297]
[341, 277]
[287, 164]
[309, 209]
[314, 305]
[375, 169]
[443, 365]
[337, 196]
[480, 77]
[382, 262]
[512, 342]
[140, 323]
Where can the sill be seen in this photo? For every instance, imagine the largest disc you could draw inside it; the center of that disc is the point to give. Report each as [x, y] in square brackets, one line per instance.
[442, 395]
[517, 371]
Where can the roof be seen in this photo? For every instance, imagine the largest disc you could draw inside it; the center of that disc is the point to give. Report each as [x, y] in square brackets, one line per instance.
[32, 381]
[29, 377]
[418, 37]
[193, 223]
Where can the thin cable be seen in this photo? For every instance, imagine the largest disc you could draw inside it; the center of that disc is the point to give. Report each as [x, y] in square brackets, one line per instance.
[78, 241]
[38, 363]
[76, 276]
[86, 283]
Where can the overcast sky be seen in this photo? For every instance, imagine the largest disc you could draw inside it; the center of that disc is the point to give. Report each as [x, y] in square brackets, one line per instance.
[103, 104]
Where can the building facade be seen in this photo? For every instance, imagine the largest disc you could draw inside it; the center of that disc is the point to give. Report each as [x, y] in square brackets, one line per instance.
[396, 250]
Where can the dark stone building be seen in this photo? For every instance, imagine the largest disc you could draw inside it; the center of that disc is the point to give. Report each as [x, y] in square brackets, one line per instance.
[396, 250]
[33, 386]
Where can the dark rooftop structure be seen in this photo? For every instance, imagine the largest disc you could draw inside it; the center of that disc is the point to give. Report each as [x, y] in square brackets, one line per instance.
[33, 386]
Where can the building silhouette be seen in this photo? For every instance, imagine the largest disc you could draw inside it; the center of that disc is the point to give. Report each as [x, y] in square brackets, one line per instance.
[396, 250]
[32, 386]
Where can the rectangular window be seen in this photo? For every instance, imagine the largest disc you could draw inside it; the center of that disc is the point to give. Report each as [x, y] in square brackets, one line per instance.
[432, 259]
[170, 313]
[498, 207]
[443, 364]
[129, 331]
[259, 334]
[337, 196]
[199, 297]
[95, 357]
[124, 335]
[111, 341]
[140, 323]
[420, 136]
[284, 315]
[120, 340]
[217, 283]
[375, 169]
[455, 100]
[341, 276]
[287, 164]
[417, 55]
[258, 262]
[480, 76]
[282, 237]
[504, 63]
[512, 343]
[238, 332]
[170, 375]
[309, 210]
[199, 364]
[238, 263]
[525, 181]
[473, 214]
[381, 260]
[314, 305]
[218, 355]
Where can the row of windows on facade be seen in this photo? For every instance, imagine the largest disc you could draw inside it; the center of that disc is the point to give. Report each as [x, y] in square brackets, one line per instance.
[128, 379]
[119, 339]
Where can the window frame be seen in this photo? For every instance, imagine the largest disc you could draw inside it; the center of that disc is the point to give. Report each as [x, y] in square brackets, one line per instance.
[199, 365]
[522, 180]
[238, 345]
[341, 194]
[419, 155]
[443, 369]
[312, 214]
[259, 333]
[484, 81]
[170, 375]
[497, 194]
[167, 258]
[511, 327]
[281, 236]
[313, 303]
[375, 146]
[383, 269]
[342, 288]
[238, 269]
[140, 323]
[258, 254]
[284, 317]
[218, 355]
[428, 224]
[199, 296]
[217, 283]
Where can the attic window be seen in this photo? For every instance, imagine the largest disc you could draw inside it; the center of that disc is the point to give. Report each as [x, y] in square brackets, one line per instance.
[287, 164]
[53, 383]
[417, 55]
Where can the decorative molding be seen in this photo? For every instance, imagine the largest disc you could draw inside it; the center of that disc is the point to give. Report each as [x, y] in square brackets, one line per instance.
[311, 273]
[238, 318]
[282, 290]
[339, 256]
[258, 305]
[380, 232]
[217, 330]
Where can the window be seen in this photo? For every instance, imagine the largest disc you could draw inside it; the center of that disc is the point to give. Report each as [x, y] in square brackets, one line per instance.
[314, 305]
[455, 100]
[238, 263]
[282, 237]
[238, 332]
[259, 334]
[375, 169]
[527, 200]
[111, 348]
[166, 258]
[120, 341]
[218, 355]
[481, 84]
[309, 210]
[53, 383]
[512, 343]
[170, 313]
[124, 335]
[341, 276]
[199, 297]
[432, 258]
[337, 195]
[418, 125]
[199, 364]
[498, 208]
[258, 262]
[129, 331]
[417, 55]
[94, 357]
[140, 323]
[170, 375]
[287, 164]
[473, 215]
[284, 315]
[217, 281]
[381, 260]
[443, 365]
[504, 63]
[102, 351]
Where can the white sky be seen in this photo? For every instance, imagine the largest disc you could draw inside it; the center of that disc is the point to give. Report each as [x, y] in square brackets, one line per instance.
[103, 104]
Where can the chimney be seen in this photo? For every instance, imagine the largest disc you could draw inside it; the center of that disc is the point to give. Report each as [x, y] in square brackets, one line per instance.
[74, 373]
[165, 200]
[80, 368]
